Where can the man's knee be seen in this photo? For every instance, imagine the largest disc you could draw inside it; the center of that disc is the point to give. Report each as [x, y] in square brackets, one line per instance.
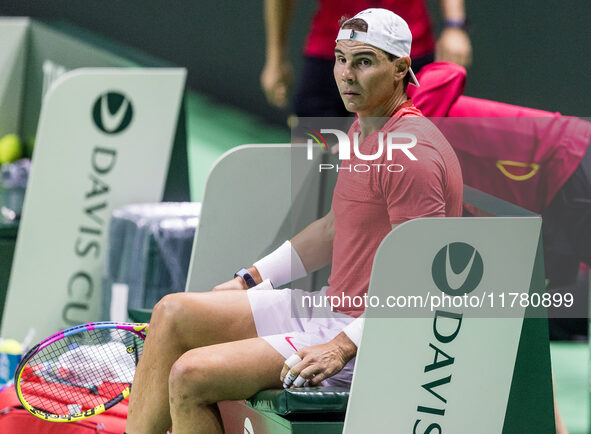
[191, 379]
[170, 312]
[199, 319]
[167, 305]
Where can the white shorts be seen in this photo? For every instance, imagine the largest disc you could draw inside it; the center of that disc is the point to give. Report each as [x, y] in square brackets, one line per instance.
[287, 326]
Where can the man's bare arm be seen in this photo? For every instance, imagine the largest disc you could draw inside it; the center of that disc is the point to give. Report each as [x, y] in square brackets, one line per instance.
[314, 244]
[276, 76]
[454, 44]
[453, 9]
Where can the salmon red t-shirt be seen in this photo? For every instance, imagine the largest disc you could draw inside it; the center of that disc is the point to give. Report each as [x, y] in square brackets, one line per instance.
[366, 203]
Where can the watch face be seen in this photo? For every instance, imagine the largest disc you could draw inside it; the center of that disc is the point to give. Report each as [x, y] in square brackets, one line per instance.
[249, 280]
[246, 277]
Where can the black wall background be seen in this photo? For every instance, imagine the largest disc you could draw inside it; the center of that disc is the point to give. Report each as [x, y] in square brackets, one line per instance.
[535, 53]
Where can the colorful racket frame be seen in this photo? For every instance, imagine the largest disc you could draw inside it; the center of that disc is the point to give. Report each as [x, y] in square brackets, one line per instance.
[140, 329]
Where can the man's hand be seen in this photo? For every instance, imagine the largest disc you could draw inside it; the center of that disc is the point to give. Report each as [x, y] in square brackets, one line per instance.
[276, 81]
[319, 362]
[454, 46]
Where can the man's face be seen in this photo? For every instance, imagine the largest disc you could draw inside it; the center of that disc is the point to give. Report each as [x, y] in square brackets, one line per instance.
[365, 78]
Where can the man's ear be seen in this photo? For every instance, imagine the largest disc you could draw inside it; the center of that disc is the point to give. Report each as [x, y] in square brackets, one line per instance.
[402, 65]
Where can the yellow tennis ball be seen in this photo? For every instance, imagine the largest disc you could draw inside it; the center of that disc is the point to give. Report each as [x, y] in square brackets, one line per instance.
[11, 346]
[10, 148]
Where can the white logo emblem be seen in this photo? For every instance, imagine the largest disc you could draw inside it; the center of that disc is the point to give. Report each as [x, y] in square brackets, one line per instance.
[112, 121]
[456, 280]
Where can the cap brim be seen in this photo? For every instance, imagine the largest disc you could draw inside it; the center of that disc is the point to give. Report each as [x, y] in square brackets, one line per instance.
[413, 78]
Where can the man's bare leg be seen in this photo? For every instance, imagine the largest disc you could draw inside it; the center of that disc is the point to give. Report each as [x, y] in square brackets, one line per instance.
[181, 322]
[230, 371]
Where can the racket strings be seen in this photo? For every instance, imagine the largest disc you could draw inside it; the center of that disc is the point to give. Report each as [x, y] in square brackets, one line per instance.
[81, 371]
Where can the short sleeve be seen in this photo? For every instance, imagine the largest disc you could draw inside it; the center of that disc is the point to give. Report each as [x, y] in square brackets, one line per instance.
[416, 191]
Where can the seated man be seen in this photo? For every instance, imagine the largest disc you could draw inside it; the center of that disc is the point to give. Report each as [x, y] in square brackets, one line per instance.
[230, 343]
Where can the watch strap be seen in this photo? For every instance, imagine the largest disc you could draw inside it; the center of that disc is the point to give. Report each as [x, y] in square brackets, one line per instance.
[462, 24]
[246, 276]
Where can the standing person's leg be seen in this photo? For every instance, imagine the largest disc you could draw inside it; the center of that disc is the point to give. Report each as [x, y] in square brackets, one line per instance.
[181, 322]
[204, 376]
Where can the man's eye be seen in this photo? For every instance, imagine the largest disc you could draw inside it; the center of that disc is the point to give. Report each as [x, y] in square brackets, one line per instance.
[365, 62]
[340, 59]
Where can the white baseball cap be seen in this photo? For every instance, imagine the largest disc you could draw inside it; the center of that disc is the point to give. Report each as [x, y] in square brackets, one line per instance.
[385, 30]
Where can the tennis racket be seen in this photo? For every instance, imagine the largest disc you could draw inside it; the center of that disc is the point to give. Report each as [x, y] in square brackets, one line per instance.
[81, 371]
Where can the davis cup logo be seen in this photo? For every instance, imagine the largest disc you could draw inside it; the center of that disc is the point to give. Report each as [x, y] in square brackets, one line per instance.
[112, 112]
[457, 269]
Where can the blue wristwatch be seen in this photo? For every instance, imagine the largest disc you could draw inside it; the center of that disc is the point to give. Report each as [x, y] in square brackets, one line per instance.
[246, 276]
[462, 24]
